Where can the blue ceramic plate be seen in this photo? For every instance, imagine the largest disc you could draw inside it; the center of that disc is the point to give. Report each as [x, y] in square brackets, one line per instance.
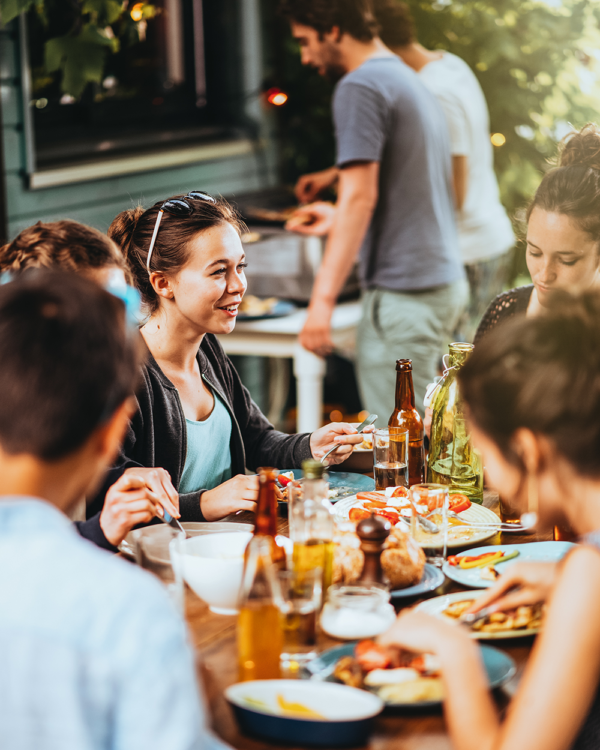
[345, 483]
[498, 665]
[528, 552]
[347, 713]
[432, 578]
[280, 309]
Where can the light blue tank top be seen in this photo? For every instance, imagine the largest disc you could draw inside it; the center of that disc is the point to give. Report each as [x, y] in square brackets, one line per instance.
[208, 459]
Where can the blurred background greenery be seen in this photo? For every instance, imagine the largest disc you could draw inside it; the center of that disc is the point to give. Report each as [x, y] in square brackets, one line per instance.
[538, 64]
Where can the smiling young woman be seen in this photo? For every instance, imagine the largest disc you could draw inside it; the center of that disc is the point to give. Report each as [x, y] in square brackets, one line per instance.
[563, 233]
[194, 417]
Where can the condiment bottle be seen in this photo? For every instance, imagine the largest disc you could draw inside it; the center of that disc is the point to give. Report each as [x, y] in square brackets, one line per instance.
[313, 524]
[452, 460]
[373, 532]
[406, 416]
[259, 631]
[265, 523]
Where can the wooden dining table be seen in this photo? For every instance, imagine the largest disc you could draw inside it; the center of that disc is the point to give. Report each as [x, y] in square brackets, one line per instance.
[214, 638]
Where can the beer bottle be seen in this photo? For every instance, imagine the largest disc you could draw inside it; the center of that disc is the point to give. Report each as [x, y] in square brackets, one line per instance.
[265, 523]
[406, 417]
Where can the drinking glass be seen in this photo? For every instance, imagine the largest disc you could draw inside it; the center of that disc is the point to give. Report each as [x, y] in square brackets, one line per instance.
[298, 598]
[295, 497]
[159, 551]
[390, 458]
[425, 499]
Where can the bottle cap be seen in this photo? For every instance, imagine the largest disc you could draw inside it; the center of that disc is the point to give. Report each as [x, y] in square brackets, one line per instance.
[313, 469]
[404, 364]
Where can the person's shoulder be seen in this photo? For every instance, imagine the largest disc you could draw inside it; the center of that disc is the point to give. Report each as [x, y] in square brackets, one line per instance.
[502, 307]
[377, 75]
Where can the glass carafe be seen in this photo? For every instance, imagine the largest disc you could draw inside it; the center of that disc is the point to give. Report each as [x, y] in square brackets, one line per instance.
[452, 460]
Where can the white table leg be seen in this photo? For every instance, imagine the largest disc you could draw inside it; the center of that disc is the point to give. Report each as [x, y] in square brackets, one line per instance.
[309, 371]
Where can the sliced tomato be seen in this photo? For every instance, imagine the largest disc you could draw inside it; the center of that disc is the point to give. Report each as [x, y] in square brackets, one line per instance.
[374, 496]
[357, 514]
[400, 492]
[283, 480]
[371, 656]
[458, 503]
[390, 515]
[452, 560]
[372, 504]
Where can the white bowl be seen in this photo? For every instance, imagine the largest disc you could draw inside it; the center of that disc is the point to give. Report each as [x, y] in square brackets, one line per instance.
[213, 566]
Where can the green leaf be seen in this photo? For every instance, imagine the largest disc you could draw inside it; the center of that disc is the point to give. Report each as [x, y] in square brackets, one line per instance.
[80, 58]
[105, 12]
[10, 9]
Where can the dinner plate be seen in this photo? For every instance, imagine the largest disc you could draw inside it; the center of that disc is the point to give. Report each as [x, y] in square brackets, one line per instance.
[528, 552]
[475, 514]
[280, 309]
[346, 483]
[438, 604]
[432, 578]
[498, 666]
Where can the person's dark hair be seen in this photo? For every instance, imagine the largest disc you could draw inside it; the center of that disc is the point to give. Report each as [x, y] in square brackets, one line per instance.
[352, 17]
[64, 244]
[573, 187]
[541, 373]
[396, 24]
[132, 230]
[66, 362]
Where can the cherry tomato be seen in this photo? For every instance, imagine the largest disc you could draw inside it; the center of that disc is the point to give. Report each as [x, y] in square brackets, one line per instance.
[400, 492]
[390, 515]
[371, 656]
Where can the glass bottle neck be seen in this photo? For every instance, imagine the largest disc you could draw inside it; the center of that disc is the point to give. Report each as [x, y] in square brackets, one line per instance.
[266, 511]
[459, 353]
[405, 392]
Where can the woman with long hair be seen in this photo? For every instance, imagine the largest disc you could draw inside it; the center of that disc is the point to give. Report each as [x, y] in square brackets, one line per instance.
[194, 418]
[532, 391]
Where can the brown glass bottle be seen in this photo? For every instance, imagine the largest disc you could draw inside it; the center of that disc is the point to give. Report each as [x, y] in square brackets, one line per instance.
[406, 416]
[265, 523]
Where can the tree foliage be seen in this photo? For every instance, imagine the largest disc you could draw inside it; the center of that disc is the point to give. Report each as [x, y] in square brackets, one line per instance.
[94, 29]
[536, 62]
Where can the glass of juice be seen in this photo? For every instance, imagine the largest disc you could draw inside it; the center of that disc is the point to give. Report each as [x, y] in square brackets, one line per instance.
[390, 458]
[430, 501]
[299, 601]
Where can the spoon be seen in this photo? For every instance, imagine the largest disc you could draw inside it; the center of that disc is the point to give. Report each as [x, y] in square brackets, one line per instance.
[371, 419]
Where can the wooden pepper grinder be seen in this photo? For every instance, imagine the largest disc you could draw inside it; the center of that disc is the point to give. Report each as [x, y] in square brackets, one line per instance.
[372, 533]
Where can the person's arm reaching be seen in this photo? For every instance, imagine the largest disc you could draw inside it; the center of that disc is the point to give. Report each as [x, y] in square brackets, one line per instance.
[309, 186]
[358, 192]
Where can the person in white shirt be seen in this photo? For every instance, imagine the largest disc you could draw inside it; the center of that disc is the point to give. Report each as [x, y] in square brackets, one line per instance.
[485, 231]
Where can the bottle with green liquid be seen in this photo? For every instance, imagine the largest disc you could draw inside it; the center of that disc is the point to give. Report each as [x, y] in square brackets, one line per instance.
[452, 459]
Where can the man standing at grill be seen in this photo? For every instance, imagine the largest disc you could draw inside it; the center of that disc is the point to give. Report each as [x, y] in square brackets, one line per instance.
[395, 206]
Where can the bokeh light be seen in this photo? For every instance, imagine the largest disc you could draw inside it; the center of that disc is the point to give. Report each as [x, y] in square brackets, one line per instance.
[277, 97]
[498, 139]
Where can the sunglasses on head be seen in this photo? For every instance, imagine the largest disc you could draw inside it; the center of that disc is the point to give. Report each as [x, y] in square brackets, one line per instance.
[176, 207]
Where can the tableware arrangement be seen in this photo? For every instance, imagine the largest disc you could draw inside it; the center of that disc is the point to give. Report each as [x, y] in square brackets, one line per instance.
[432, 578]
[128, 546]
[439, 604]
[528, 552]
[342, 484]
[159, 555]
[304, 712]
[476, 514]
[390, 458]
[371, 419]
[499, 668]
[212, 565]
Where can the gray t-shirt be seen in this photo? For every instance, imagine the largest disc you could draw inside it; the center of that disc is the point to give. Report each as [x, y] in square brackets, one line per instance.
[383, 113]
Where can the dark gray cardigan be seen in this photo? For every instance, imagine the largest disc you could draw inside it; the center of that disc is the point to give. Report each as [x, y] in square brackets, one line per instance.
[157, 434]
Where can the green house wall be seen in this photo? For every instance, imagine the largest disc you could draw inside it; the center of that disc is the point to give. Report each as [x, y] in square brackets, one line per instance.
[97, 202]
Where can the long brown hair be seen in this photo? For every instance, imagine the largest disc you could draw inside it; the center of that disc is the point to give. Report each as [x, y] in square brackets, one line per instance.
[573, 187]
[541, 373]
[132, 230]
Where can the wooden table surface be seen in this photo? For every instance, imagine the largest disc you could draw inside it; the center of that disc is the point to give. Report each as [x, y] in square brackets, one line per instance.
[214, 637]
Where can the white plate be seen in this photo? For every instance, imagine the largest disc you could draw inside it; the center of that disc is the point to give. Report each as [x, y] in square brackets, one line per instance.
[475, 514]
[528, 552]
[438, 604]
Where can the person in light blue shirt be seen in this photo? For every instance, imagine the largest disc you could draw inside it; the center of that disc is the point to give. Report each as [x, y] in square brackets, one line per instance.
[93, 655]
